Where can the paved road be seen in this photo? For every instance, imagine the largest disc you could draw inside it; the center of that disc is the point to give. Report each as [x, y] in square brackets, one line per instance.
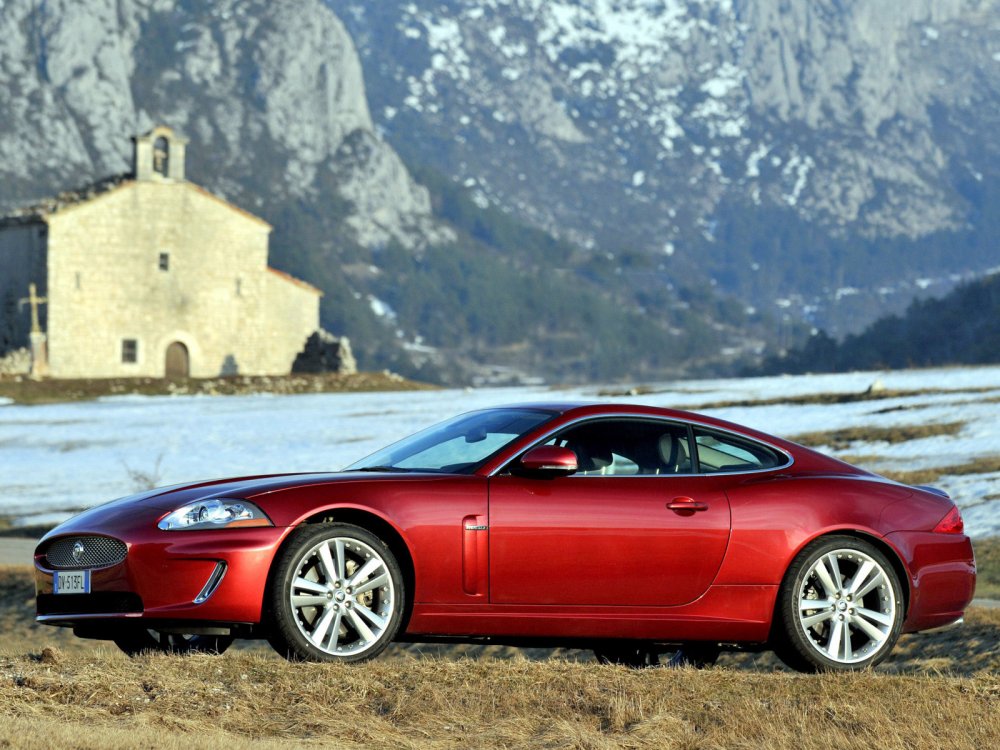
[16, 551]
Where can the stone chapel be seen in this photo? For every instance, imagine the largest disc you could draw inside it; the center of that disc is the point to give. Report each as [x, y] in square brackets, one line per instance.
[148, 275]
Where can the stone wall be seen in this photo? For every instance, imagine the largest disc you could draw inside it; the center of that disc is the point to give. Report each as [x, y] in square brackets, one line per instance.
[216, 297]
[291, 314]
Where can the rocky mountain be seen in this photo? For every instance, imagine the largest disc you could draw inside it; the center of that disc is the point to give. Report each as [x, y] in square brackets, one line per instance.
[271, 95]
[589, 189]
[822, 159]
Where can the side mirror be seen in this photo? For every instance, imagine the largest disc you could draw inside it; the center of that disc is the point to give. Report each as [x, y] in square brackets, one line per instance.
[550, 461]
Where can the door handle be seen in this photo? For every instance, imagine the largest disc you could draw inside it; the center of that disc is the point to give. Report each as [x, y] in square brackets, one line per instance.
[686, 503]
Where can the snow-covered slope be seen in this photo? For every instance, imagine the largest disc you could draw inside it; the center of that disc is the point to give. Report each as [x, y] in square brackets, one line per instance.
[78, 455]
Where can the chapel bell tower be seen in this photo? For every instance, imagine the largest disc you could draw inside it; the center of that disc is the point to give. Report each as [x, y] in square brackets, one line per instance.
[159, 155]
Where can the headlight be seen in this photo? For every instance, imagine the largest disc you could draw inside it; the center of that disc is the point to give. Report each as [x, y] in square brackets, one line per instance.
[217, 513]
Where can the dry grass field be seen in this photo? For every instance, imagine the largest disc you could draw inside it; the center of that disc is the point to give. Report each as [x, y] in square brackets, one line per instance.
[939, 690]
[23, 390]
[248, 700]
[988, 568]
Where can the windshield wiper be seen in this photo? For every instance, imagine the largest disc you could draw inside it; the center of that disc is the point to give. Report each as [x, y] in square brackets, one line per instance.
[382, 468]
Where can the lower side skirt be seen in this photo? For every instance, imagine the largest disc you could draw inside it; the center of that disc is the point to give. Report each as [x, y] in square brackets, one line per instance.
[722, 614]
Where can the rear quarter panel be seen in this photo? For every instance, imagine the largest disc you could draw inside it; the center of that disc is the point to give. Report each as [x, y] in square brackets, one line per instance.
[774, 518]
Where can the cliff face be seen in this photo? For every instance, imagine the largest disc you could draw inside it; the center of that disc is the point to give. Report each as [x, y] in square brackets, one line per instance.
[808, 151]
[868, 79]
[270, 93]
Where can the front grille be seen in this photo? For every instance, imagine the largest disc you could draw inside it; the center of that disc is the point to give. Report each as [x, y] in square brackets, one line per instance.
[98, 603]
[92, 552]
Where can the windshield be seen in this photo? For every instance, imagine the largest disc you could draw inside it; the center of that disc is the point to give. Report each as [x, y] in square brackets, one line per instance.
[457, 446]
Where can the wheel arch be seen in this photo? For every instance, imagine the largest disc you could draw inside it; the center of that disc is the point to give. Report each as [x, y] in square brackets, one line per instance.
[376, 525]
[892, 555]
[890, 552]
[780, 638]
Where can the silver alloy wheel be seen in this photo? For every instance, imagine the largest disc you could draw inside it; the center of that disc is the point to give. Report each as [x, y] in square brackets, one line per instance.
[847, 607]
[342, 596]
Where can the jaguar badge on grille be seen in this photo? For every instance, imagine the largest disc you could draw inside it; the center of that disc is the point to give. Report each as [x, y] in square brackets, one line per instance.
[78, 550]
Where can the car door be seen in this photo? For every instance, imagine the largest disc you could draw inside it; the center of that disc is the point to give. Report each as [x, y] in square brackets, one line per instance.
[635, 526]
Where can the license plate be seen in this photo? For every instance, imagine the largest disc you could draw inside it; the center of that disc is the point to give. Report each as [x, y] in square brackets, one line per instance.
[72, 582]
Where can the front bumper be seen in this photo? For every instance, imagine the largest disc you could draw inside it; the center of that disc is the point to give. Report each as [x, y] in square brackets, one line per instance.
[166, 576]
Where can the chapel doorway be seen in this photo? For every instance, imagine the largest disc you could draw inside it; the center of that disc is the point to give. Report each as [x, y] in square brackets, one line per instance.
[178, 362]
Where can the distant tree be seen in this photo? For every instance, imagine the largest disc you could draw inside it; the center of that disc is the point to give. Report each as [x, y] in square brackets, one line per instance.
[961, 328]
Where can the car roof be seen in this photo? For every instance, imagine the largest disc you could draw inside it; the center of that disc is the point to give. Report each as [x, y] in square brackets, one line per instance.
[577, 409]
[806, 459]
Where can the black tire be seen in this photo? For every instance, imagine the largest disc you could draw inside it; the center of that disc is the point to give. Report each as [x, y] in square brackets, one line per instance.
[845, 631]
[642, 655]
[155, 641]
[365, 622]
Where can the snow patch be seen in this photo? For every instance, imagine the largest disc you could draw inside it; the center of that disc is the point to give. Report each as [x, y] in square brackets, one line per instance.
[797, 167]
[846, 291]
[497, 34]
[727, 78]
[753, 161]
[380, 308]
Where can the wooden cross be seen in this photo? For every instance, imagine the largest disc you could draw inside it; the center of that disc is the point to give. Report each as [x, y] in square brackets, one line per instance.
[34, 300]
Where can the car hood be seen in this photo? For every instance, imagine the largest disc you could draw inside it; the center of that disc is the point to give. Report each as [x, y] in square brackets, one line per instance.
[168, 498]
[156, 501]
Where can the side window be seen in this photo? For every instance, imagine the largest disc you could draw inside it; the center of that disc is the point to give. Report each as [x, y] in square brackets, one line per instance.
[130, 351]
[628, 447]
[720, 452]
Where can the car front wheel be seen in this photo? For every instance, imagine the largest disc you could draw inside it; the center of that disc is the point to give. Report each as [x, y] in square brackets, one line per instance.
[336, 595]
[840, 607]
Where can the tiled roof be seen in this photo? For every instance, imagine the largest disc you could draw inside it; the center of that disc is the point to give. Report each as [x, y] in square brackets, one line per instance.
[297, 282]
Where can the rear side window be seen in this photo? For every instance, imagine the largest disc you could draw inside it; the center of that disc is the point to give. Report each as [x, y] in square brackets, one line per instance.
[721, 452]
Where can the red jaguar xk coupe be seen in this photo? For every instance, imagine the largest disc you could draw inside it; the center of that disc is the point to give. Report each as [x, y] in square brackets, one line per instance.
[630, 530]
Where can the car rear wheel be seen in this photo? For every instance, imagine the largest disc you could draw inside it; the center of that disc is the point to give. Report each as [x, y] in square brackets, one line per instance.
[640, 655]
[840, 607]
[336, 595]
[152, 641]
